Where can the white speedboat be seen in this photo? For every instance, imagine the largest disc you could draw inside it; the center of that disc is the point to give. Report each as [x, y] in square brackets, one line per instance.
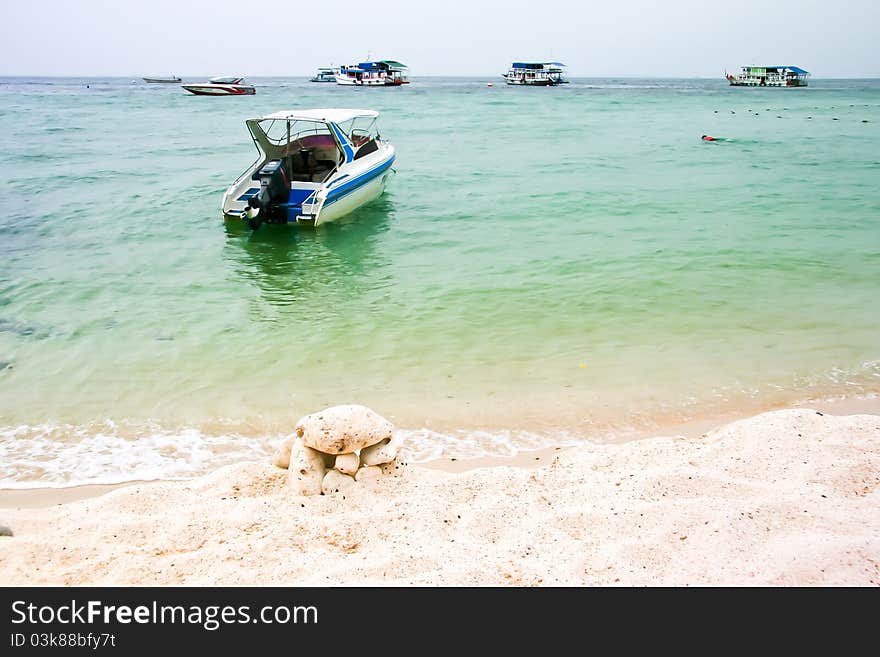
[536, 74]
[325, 74]
[314, 166]
[221, 86]
[384, 73]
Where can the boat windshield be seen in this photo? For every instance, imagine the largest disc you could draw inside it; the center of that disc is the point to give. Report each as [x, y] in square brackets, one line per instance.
[308, 148]
[360, 130]
[276, 130]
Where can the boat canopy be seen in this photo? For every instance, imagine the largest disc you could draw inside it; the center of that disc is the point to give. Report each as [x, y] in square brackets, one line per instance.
[331, 115]
[535, 65]
[796, 69]
[321, 128]
[381, 65]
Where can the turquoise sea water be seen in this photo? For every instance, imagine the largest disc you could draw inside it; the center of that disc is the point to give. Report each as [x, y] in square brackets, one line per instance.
[545, 265]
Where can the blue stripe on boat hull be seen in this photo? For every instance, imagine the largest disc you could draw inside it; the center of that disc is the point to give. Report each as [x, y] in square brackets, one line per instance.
[354, 185]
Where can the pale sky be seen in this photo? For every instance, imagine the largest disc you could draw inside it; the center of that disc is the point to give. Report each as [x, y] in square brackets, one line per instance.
[595, 38]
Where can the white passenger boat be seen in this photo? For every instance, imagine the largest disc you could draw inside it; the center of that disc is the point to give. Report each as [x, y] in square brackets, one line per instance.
[536, 74]
[769, 76]
[221, 86]
[325, 74]
[314, 166]
[383, 73]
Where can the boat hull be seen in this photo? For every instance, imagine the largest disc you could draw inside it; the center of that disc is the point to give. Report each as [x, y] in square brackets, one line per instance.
[162, 80]
[768, 77]
[349, 190]
[737, 83]
[220, 89]
[369, 82]
[371, 190]
[534, 83]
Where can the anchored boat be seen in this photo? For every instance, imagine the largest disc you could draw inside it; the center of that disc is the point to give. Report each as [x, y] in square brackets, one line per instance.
[325, 74]
[384, 73]
[221, 86]
[536, 74]
[314, 166]
[769, 76]
[171, 80]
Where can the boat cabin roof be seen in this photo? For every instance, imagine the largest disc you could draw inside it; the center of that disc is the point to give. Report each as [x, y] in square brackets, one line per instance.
[333, 115]
[534, 65]
[381, 64]
[796, 69]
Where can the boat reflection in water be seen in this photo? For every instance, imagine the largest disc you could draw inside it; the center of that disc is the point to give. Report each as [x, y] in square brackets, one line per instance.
[304, 276]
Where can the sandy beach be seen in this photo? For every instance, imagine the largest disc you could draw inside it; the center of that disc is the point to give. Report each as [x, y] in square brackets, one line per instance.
[787, 497]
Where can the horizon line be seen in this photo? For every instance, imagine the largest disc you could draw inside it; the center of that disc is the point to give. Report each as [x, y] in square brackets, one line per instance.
[431, 75]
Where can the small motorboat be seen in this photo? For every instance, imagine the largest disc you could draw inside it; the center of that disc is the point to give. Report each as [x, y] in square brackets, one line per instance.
[221, 86]
[172, 80]
[314, 166]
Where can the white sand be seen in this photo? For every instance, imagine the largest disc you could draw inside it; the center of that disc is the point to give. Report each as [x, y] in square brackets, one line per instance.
[787, 497]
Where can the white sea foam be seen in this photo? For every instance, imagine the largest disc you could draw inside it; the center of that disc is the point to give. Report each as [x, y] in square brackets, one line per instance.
[69, 455]
[57, 455]
[66, 455]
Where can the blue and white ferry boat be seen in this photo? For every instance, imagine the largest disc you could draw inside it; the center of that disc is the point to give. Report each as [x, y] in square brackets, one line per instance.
[314, 166]
[769, 76]
[536, 74]
[383, 73]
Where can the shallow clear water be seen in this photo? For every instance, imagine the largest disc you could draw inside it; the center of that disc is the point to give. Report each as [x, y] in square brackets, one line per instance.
[545, 265]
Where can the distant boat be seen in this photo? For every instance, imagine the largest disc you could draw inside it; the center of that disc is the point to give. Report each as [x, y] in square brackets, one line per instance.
[171, 80]
[221, 86]
[383, 73]
[325, 74]
[536, 74]
[769, 76]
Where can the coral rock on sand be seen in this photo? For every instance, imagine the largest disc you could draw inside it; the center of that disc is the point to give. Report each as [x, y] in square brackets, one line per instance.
[368, 473]
[383, 452]
[348, 463]
[306, 469]
[343, 429]
[322, 457]
[281, 457]
[336, 482]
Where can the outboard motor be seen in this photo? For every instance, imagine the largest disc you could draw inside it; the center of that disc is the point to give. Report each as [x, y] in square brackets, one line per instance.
[274, 191]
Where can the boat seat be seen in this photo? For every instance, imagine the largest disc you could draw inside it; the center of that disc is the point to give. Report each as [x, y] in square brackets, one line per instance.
[305, 168]
[369, 147]
[322, 169]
